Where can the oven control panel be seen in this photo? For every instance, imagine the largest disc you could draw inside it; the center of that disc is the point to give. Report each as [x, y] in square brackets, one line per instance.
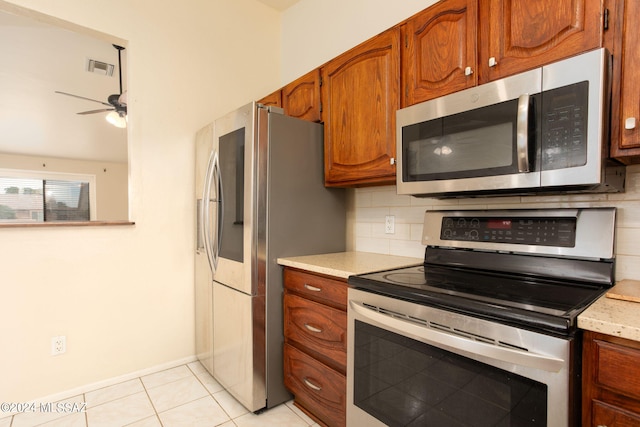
[547, 231]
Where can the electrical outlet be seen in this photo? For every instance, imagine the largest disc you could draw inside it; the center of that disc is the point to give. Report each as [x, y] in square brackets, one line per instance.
[390, 224]
[58, 345]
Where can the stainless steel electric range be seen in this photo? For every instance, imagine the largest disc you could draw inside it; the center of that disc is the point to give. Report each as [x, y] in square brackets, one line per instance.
[484, 332]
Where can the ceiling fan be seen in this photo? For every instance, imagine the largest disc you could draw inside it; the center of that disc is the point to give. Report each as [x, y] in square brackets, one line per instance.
[117, 103]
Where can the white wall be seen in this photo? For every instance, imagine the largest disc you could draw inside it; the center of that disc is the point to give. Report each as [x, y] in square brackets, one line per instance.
[314, 32]
[123, 296]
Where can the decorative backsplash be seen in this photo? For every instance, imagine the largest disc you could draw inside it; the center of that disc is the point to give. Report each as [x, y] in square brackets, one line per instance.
[371, 205]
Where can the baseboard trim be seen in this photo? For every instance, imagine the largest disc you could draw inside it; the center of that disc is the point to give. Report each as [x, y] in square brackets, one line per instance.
[115, 380]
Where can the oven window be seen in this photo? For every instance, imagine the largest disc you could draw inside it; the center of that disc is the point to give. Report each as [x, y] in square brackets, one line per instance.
[403, 382]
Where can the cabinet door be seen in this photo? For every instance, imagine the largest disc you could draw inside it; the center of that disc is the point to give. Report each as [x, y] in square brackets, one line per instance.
[523, 34]
[274, 99]
[360, 96]
[629, 116]
[608, 415]
[301, 98]
[439, 51]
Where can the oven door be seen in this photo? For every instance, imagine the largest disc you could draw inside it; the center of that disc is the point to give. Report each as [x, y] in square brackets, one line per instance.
[413, 365]
[477, 140]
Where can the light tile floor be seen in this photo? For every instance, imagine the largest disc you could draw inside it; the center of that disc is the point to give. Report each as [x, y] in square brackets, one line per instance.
[185, 396]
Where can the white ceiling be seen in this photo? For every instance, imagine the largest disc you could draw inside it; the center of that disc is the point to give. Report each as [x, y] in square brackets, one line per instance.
[38, 59]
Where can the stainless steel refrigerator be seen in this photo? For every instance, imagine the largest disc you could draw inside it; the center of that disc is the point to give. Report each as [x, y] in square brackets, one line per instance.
[260, 196]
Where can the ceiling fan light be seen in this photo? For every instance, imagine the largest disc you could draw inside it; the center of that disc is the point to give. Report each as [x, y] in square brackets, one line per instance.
[117, 119]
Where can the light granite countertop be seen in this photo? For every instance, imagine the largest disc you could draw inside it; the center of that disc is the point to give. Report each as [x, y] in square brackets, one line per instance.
[345, 264]
[612, 317]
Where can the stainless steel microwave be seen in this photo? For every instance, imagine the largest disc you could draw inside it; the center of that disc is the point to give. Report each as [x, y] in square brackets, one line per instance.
[544, 130]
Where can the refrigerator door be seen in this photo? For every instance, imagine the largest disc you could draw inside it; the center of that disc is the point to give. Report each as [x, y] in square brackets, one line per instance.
[238, 361]
[203, 276]
[234, 146]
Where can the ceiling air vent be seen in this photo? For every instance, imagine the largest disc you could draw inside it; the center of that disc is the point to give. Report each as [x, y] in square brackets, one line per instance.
[99, 67]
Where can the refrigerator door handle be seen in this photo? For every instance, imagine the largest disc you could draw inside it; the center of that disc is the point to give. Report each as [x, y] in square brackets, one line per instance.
[219, 203]
[212, 237]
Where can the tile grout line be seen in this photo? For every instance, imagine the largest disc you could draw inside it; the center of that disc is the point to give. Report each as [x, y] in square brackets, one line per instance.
[209, 392]
[146, 392]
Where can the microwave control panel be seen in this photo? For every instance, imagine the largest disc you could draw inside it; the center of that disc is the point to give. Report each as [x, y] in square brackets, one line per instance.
[564, 127]
[556, 231]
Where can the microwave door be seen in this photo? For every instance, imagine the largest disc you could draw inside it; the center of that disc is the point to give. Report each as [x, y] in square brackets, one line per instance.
[477, 140]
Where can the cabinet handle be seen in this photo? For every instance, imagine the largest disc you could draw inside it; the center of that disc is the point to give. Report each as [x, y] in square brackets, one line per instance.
[312, 288]
[630, 123]
[312, 328]
[492, 62]
[312, 385]
[468, 71]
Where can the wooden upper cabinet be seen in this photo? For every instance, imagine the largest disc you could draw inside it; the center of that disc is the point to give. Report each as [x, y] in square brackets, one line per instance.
[274, 99]
[518, 35]
[625, 117]
[360, 96]
[439, 51]
[301, 98]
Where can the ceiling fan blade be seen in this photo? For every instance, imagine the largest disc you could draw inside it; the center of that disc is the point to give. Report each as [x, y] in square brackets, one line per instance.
[96, 111]
[83, 97]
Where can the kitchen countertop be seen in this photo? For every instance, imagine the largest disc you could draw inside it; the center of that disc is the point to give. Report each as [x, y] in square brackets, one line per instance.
[612, 317]
[345, 264]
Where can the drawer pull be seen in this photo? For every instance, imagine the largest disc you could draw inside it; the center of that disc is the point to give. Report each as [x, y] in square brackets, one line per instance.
[312, 328]
[312, 288]
[312, 385]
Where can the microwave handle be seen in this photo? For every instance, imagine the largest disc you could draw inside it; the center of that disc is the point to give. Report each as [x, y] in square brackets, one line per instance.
[522, 133]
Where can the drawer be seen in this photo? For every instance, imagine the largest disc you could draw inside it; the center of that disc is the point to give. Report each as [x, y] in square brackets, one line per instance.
[318, 329]
[318, 388]
[618, 368]
[318, 288]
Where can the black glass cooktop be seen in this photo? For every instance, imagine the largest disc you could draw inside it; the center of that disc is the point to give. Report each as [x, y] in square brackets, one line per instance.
[532, 302]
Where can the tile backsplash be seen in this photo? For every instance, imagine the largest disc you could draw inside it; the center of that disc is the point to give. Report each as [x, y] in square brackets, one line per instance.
[369, 206]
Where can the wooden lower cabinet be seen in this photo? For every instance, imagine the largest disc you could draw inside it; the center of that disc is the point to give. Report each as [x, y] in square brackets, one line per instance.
[611, 381]
[315, 350]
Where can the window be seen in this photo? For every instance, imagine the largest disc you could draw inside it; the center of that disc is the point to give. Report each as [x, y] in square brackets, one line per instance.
[32, 196]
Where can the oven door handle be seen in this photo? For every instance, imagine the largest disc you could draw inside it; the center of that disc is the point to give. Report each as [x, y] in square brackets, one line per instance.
[457, 343]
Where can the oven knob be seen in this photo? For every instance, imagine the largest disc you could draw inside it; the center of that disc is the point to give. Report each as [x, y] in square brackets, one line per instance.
[447, 234]
[462, 223]
[448, 222]
[474, 235]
